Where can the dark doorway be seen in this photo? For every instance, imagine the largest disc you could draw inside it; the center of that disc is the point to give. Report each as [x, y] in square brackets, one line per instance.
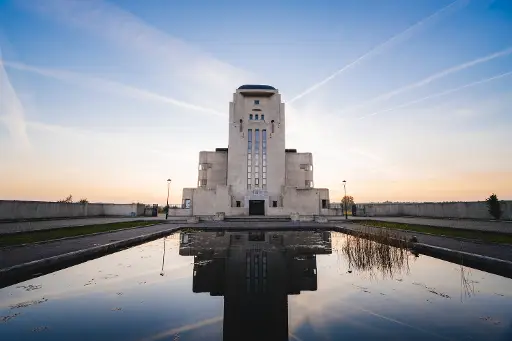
[256, 207]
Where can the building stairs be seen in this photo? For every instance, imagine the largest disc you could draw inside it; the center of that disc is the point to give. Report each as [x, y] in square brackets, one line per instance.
[258, 219]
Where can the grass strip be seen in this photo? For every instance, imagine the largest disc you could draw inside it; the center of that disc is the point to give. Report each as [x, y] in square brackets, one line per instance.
[72, 231]
[494, 237]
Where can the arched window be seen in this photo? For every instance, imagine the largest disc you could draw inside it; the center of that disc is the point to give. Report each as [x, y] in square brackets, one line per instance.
[272, 126]
[250, 116]
[256, 117]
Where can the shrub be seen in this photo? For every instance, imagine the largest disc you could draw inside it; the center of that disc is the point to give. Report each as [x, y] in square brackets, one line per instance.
[493, 205]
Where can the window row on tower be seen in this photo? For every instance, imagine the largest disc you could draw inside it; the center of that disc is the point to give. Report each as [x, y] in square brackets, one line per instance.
[256, 117]
[253, 159]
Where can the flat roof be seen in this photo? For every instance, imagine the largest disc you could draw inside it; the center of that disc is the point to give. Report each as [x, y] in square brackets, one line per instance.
[256, 87]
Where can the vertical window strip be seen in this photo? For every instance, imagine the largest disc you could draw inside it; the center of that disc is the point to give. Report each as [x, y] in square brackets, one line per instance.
[249, 157]
[264, 152]
[257, 156]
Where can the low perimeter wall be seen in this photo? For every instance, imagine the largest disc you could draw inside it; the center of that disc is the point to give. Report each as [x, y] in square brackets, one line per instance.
[16, 210]
[461, 210]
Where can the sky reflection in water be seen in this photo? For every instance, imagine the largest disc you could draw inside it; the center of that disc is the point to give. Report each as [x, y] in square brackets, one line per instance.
[272, 285]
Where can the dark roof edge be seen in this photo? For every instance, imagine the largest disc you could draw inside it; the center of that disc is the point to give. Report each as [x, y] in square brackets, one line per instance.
[256, 87]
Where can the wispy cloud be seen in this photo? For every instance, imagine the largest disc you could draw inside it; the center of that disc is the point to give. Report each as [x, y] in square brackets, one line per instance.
[125, 30]
[433, 77]
[101, 84]
[106, 138]
[404, 324]
[11, 110]
[440, 94]
[365, 153]
[381, 47]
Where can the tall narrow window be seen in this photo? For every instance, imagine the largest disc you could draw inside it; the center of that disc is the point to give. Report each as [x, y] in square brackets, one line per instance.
[264, 156]
[241, 125]
[272, 126]
[249, 158]
[256, 117]
[249, 141]
[263, 117]
[256, 157]
[250, 116]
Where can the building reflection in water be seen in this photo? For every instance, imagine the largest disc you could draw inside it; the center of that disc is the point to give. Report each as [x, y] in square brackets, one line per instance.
[255, 272]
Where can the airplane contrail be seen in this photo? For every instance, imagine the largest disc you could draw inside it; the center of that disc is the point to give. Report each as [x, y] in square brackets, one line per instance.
[439, 94]
[185, 328]
[12, 113]
[434, 77]
[108, 85]
[376, 49]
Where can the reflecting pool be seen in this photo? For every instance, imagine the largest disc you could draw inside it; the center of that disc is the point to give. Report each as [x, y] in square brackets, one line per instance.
[272, 285]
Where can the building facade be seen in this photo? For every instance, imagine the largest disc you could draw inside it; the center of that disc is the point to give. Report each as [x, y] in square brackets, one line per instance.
[256, 174]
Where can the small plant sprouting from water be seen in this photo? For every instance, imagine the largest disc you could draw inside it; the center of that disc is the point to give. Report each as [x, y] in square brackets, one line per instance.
[372, 253]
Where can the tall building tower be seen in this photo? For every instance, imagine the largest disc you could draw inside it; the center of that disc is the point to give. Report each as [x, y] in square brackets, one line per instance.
[256, 158]
[256, 175]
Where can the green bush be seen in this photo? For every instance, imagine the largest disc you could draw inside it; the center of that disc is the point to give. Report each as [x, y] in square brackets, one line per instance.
[493, 205]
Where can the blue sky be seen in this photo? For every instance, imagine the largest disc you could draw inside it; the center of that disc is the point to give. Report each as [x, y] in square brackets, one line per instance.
[406, 100]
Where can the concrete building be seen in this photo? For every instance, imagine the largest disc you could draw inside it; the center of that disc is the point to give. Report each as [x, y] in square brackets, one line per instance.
[256, 174]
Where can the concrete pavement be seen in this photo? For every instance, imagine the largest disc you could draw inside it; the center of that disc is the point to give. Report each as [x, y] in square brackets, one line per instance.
[15, 255]
[27, 226]
[489, 226]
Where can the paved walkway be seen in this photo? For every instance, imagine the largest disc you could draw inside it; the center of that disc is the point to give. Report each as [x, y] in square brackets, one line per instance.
[15, 255]
[25, 226]
[492, 226]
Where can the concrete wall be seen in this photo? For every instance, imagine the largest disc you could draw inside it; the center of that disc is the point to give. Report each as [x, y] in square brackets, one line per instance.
[122, 209]
[462, 210]
[180, 212]
[295, 175]
[14, 210]
[213, 167]
[303, 201]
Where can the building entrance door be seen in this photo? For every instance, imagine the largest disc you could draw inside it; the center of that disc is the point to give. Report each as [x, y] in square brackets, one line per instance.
[256, 207]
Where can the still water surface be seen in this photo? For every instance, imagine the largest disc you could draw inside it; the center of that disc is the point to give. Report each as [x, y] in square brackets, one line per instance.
[252, 286]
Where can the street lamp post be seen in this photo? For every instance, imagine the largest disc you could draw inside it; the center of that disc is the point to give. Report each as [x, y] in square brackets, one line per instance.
[345, 198]
[167, 207]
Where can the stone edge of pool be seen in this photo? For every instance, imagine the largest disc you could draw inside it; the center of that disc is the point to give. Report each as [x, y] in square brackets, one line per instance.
[26, 271]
